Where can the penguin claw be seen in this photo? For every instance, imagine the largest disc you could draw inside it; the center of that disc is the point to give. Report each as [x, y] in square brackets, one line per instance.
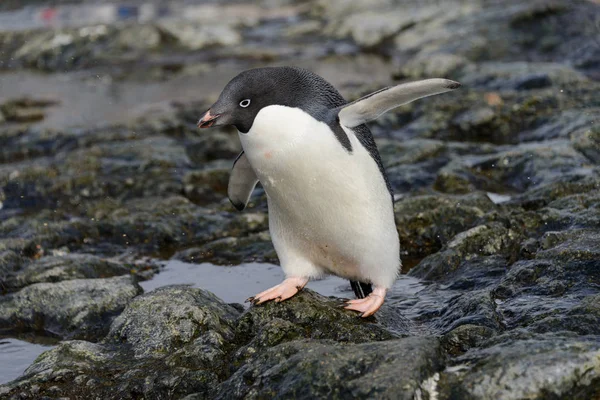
[286, 289]
[369, 305]
[249, 300]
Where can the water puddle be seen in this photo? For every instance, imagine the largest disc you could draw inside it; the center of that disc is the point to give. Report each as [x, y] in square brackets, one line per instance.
[100, 101]
[16, 355]
[234, 284]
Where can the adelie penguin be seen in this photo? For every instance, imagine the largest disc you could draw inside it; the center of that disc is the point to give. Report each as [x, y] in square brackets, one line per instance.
[330, 202]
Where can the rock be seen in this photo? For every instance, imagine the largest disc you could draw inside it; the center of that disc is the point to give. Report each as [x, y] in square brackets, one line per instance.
[198, 36]
[587, 141]
[232, 250]
[565, 124]
[545, 294]
[170, 342]
[79, 308]
[65, 267]
[538, 367]
[425, 223]
[520, 76]
[439, 65]
[213, 146]
[178, 340]
[370, 28]
[139, 37]
[25, 109]
[313, 315]
[66, 48]
[515, 168]
[180, 315]
[465, 337]
[207, 185]
[317, 369]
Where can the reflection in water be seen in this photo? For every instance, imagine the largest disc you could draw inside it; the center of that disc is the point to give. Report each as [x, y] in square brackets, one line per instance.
[235, 284]
[93, 102]
[16, 355]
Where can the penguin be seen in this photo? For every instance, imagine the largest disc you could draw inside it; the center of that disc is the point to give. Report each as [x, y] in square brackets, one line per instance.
[329, 200]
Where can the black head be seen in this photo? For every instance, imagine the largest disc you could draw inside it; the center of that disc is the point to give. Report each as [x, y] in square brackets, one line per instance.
[250, 91]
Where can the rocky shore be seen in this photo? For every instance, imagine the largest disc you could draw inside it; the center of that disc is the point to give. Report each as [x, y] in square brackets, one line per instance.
[497, 206]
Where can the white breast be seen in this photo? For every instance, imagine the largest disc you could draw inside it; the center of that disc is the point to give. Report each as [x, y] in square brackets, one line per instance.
[329, 204]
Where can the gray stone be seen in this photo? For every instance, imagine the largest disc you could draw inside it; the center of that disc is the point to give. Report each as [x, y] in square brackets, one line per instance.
[79, 308]
[318, 369]
[536, 368]
[65, 267]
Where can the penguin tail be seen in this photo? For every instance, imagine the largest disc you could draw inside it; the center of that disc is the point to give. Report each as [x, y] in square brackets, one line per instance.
[361, 289]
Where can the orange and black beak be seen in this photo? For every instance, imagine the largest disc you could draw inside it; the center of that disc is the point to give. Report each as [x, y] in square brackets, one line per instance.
[208, 120]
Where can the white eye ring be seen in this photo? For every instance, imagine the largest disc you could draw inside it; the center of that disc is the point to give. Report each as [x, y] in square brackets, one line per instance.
[245, 103]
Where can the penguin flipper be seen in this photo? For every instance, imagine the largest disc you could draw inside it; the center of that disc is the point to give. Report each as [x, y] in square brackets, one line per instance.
[373, 105]
[241, 182]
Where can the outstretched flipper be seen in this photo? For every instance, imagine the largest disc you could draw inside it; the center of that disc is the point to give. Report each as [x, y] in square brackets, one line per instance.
[241, 182]
[373, 105]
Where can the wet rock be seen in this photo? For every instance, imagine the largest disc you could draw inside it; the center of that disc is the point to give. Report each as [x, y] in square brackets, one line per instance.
[515, 168]
[316, 316]
[440, 65]
[541, 196]
[520, 76]
[587, 141]
[539, 367]
[198, 36]
[145, 167]
[465, 337]
[25, 109]
[180, 315]
[425, 223]
[564, 124]
[504, 32]
[178, 340]
[371, 28]
[170, 342]
[161, 224]
[213, 146]
[65, 267]
[140, 37]
[469, 308]
[545, 294]
[207, 185]
[233, 250]
[79, 308]
[309, 369]
[66, 48]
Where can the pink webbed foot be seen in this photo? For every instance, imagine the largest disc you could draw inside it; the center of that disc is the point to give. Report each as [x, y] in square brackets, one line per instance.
[286, 289]
[370, 304]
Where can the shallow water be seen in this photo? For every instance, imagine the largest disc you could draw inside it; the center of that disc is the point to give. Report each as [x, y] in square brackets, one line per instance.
[16, 355]
[234, 284]
[89, 101]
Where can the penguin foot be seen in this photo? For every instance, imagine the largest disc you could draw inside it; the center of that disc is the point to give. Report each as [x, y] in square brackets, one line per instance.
[370, 304]
[281, 292]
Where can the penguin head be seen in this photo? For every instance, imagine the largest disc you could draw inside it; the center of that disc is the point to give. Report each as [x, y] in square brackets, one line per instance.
[252, 90]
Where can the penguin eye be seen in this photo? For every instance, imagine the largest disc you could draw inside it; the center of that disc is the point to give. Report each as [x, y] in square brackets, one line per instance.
[245, 103]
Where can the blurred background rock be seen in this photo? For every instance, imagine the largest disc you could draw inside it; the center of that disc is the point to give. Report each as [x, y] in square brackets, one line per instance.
[105, 181]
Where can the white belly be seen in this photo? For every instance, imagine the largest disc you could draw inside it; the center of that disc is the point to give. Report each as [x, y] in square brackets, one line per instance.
[326, 205]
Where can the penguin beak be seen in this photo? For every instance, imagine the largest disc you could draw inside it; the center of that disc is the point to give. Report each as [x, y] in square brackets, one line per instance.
[207, 120]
